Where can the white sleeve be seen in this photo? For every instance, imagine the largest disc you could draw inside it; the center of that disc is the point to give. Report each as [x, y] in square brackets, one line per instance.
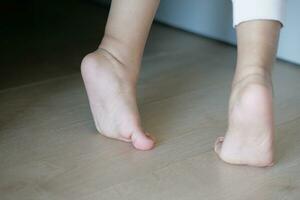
[245, 10]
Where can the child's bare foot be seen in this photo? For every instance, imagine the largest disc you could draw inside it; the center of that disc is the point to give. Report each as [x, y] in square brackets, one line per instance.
[111, 88]
[249, 138]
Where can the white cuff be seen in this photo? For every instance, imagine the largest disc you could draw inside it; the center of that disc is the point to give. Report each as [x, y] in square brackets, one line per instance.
[245, 10]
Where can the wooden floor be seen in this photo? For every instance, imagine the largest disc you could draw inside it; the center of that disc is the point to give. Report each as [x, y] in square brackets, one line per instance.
[50, 150]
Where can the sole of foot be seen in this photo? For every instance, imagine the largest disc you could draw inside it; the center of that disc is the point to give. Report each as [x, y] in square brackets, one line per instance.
[111, 92]
[249, 138]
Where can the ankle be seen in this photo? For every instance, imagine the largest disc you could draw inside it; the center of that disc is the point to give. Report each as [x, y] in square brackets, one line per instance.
[250, 78]
[106, 62]
[252, 74]
[121, 51]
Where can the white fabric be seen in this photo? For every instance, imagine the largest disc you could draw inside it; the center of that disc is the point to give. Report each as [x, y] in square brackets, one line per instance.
[245, 10]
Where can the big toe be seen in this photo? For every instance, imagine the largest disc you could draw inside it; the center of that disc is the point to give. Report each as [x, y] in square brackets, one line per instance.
[141, 141]
[218, 145]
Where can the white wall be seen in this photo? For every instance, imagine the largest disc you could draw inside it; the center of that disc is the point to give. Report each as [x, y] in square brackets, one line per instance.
[213, 18]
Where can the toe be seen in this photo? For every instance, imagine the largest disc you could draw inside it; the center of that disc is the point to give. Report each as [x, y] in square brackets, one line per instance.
[141, 141]
[218, 145]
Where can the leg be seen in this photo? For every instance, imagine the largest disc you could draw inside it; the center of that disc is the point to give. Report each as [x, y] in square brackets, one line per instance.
[111, 72]
[249, 138]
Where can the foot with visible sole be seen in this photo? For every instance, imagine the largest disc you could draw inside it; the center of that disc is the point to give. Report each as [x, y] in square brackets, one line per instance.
[249, 138]
[111, 91]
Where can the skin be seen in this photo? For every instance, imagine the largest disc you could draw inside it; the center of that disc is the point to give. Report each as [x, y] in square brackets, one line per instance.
[250, 134]
[111, 72]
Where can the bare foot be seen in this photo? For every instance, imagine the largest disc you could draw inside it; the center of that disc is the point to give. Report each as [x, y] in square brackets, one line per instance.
[249, 138]
[111, 89]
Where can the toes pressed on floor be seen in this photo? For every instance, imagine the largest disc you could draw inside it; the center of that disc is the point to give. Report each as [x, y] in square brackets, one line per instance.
[239, 157]
[142, 142]
[218, 145]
